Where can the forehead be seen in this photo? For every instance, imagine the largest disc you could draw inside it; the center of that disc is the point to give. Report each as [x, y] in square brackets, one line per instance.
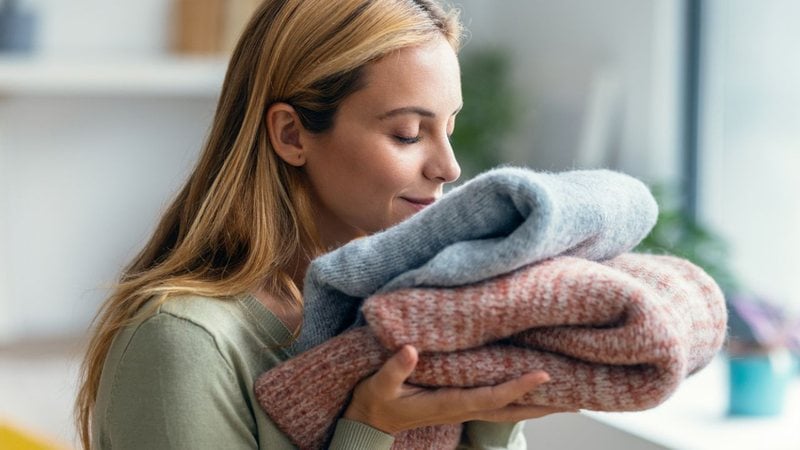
[427, 76]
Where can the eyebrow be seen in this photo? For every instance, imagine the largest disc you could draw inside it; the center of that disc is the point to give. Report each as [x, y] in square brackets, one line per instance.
[413, 110]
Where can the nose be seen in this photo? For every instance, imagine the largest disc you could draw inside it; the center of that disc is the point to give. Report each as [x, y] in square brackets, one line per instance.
[442, 165]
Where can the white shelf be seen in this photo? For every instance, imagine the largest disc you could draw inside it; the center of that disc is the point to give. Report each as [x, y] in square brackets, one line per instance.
[156, 76]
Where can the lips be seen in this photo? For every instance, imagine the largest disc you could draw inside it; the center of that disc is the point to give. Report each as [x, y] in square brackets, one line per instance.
[419, 203]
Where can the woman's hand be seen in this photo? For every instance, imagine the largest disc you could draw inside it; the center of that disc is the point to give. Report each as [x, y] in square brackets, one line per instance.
[385, 402]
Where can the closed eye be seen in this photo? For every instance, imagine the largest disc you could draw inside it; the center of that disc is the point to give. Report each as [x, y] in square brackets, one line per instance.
[407, 140]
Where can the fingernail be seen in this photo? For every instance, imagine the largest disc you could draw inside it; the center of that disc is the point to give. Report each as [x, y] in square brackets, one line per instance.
[538, 377]
[545, 378]
[405, 355]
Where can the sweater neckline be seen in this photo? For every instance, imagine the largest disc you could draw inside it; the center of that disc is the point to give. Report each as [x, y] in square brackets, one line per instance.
[266, 321]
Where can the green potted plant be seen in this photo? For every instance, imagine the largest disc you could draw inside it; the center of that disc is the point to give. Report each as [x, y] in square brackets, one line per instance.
[491, 109]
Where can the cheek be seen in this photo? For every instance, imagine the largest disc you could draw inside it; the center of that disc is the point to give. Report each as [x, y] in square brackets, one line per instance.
[359, 169]
[374, 166]
[389, 172]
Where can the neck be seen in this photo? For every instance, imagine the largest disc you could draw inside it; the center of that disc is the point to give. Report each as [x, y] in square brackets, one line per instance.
[331, 230]
[281, 307]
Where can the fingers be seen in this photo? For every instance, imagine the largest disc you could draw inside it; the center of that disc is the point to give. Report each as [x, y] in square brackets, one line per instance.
[495, 397]
[386, 403]
[504, 394]
[394, 372]
[525, 383]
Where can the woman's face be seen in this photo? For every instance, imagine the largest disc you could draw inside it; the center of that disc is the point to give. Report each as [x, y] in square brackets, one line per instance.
[388, 153]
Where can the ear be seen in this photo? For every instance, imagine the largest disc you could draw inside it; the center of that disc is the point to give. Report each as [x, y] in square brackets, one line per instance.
[285, 131]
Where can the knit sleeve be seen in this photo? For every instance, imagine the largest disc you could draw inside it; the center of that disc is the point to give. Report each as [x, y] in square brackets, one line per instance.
[480, 435]
[352, 435]
[173, 389]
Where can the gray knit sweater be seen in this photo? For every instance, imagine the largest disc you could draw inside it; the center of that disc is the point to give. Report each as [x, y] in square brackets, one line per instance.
[495, 223]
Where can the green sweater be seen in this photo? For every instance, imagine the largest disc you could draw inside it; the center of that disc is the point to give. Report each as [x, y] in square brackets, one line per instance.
[183, 378]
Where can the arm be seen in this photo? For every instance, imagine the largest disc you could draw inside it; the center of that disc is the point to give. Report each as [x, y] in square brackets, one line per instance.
[351, 435]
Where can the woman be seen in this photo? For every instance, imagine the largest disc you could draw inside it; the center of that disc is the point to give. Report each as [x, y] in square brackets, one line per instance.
[333, 123]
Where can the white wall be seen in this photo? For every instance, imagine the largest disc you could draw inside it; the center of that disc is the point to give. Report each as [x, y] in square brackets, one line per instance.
[83, 180]
[87, 28]
[5, 305]
[599, 77]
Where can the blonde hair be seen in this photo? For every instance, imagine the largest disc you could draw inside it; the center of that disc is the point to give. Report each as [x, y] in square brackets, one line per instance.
[244, 215]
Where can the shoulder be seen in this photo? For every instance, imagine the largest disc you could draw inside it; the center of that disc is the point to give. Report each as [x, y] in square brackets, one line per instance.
[172, 352]
[192, 341]
[175, 339]
[214, 316]
[179, 326]
[235, 320]
[187, 366]
[197, 331]
[169, 375]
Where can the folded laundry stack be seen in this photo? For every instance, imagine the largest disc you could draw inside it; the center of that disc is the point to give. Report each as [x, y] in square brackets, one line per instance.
[512, 272]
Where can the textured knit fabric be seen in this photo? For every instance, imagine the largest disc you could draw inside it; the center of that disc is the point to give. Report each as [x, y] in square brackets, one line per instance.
[495, 223]
[183, 378]
[614, 336]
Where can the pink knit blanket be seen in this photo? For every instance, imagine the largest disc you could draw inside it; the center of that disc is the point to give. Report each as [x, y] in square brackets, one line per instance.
[618, 335]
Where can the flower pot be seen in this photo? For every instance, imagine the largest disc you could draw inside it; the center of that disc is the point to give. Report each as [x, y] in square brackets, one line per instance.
[758, 382]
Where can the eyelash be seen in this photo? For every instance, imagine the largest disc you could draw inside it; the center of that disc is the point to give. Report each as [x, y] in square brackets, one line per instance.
[416, 139]
[408, 140]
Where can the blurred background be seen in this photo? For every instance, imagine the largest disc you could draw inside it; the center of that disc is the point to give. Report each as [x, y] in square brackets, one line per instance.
[105, 105]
